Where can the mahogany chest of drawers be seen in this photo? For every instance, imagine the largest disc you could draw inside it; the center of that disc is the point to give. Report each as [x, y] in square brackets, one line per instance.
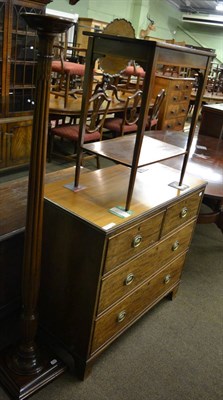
[101, 272]
[174, 109]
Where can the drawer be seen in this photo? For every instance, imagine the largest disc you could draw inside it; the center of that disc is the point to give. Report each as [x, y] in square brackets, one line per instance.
[127, 278]
[183, 109]
[176, 124]
[181, 212]
[126, 311]
[132, 241]
[172, 110]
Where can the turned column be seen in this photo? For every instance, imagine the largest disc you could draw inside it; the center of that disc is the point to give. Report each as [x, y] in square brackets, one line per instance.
[26, 367]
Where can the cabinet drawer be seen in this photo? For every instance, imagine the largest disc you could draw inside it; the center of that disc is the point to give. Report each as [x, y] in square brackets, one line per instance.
[172, 110]
[127, 278]
[181, 212]
[132, 241]
[127, 310]
[183, 109]
[175, 123]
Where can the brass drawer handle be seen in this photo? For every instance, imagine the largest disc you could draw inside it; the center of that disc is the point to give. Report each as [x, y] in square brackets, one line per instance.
[129, 279]
[167, 279]
[121, 316]
[137, 241]
[183, 212]
[175, 245]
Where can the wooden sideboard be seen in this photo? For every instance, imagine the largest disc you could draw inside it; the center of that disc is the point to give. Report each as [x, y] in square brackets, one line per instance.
[212, 120]
[174, 110]
[102, 272]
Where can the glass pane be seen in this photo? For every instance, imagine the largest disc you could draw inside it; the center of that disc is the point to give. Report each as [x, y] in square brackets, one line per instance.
[23, 61]
[21, 100]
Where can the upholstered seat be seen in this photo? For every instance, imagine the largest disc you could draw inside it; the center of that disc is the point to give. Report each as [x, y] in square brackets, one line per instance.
[127, 123]
[97, 111]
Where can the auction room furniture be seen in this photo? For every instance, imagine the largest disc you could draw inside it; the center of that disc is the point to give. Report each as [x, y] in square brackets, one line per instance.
[87, 24]
[205, 162]
[127, 121]
[174, 110]
[122, 232]
[101, 272]
[18, 51]
[212, 120]
[99, 104]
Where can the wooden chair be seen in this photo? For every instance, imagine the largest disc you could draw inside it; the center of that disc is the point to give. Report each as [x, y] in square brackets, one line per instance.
[127, 122]
[137, 73]
[65, 74]
[98, 108]
[153, 117]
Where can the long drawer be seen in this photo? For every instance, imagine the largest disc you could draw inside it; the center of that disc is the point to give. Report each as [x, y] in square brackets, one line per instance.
[127, 278]
[132, 241]
[131, 307]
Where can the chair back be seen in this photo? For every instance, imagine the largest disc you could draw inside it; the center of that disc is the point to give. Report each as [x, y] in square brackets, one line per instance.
[131, 111]
[157, 104]
[98, 109]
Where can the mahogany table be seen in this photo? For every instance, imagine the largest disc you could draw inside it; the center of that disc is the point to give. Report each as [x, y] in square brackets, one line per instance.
[206, 162]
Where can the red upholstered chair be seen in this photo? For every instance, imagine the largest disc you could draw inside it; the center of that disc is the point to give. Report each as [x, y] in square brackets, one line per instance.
[132, 71]
[62, 72]
[154, 113]
[98, 108]
[127, 123]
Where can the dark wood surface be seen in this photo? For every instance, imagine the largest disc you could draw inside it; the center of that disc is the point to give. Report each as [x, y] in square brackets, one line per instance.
[205, 161]
[212, 120]
[13, 201]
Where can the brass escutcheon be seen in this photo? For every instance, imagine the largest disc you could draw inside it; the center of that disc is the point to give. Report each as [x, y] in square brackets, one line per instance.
[183, 212]
[167, 278]
[129, 279]
[121, 316]
[175, 245]
[137, 241]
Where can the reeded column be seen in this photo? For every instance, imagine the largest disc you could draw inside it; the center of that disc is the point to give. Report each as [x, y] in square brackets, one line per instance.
[26, 367]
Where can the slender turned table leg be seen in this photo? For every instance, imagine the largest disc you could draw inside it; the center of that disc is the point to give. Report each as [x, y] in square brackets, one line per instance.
[26, 367]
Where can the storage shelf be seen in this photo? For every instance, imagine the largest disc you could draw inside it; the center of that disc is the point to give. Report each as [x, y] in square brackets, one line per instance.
[137, 150]
[121, 150]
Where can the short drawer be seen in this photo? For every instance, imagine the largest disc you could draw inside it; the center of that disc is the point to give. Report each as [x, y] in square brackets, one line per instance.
[172, 110]
[127, 278]
[183, 109]
[126, 311]
[175, 123]
[132, 241]
[181, 212]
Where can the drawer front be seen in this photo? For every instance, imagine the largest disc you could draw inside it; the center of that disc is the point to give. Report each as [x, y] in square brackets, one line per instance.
[172, 111]
[183, 109]
[132, 241]
[127, 278]
[181, 212]
[176, 124]
[124, 313]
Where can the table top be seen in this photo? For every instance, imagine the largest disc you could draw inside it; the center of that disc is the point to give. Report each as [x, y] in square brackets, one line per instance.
[205, 161]
[208, 97]
[56, 105]
[213, 107]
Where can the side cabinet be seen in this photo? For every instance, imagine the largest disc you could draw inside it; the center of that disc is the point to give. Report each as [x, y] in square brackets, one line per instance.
[15, 139]
[18, 58]
[174, 110]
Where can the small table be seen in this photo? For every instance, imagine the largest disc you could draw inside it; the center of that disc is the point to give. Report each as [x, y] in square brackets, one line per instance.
[206, 162]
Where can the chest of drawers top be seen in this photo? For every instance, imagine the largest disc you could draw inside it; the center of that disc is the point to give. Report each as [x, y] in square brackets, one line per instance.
[106, 188]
